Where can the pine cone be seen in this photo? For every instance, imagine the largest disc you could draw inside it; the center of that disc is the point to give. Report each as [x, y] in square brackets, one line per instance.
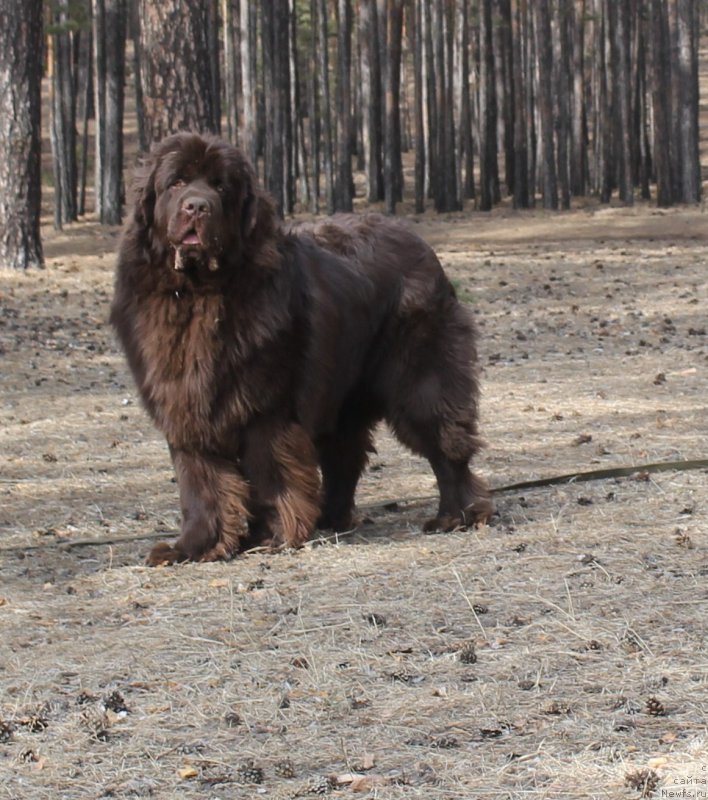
[96, 720]
[284, 769]
[115, 703]
[248, 772]
[445, 742]
[36, 723]
[643, 780]
[468, 654]
[6, 730]
[318, 784]
[655, 707]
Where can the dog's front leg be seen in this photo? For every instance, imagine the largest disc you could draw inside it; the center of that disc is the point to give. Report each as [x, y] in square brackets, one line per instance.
[213, 497]
[280, 463]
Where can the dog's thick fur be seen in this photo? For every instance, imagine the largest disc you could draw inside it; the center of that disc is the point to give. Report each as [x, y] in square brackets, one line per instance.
[263, 352]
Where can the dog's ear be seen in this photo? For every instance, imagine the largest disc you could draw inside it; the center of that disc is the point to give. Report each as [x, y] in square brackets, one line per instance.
[144, 192]
[249, 209]
[258, 215]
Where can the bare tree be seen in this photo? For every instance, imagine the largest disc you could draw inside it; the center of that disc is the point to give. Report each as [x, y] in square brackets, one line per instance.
[62, 128]
[505, 88]
[20, 142]
[415, 28]
[110, 23]
[488, 167]
[230, 16]
[313, 110]
[521, 159]
[344, 184]
[84, 98]
[578, 145]
[248, 57]
[177, 65]
[391, 19]
[465, 166]
[687, 68]
[661, 98]
[325, 106]
[275, 33]
[371, 85]
[621, 92]
[544, 52]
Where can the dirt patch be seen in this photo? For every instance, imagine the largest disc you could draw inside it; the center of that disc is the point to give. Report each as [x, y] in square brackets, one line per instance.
[559, 652]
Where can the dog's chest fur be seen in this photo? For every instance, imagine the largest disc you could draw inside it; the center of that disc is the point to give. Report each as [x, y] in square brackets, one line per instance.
[185, 384]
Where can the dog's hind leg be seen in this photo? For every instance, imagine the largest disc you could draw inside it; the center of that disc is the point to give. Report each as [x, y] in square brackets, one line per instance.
[448, 443]
[465, 498]
[343, 457]
[434, 412]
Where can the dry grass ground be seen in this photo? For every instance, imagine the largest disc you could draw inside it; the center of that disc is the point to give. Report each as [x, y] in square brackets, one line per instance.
[558, 653]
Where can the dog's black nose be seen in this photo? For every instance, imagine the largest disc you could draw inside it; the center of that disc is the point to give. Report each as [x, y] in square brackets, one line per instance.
[195, 205]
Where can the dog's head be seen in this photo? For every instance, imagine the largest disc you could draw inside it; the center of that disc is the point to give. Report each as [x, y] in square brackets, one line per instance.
[197, 199]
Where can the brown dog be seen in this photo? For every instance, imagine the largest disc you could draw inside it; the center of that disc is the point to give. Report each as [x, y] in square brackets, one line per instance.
[263, 351]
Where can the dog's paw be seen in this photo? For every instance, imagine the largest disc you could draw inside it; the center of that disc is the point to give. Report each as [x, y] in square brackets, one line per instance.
[443, 523]
[339, 523]
[478, 513]
[164, 555]
[220, 552]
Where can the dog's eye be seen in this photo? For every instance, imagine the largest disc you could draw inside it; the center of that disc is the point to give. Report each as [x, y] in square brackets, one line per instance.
[178, 183]
[220, 188]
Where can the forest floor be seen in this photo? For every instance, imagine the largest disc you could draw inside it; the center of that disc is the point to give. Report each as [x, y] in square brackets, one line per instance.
[560, 652]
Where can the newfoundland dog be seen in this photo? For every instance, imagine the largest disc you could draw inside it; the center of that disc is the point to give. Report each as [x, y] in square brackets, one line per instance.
[267, 353]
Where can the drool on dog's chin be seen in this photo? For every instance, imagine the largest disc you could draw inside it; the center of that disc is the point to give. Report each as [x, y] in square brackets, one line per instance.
[191, 250]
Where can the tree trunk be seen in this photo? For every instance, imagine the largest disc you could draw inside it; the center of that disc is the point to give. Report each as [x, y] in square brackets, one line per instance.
[313, 110]
[643, 155]
[110, 74]
[521, 157]
[392, 162]
[488, 169]
[415, 27]
[297, 114]
[430, 101]
[177, 67]
[578, 152]
[343, 188]
[232, 78]
[505, 80]
[687, 66]
[454, 197]
[603, 114]
[211, 10]
[619, 27]
[562, 70]
[530, 70]
[325, 106]
[85, 100]
[544, 53]
[134, 32]
[661, 100]
[20, 133]
[63, 117]
[371, 84]
[466, 140]
[247, 39]
[275, 34]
